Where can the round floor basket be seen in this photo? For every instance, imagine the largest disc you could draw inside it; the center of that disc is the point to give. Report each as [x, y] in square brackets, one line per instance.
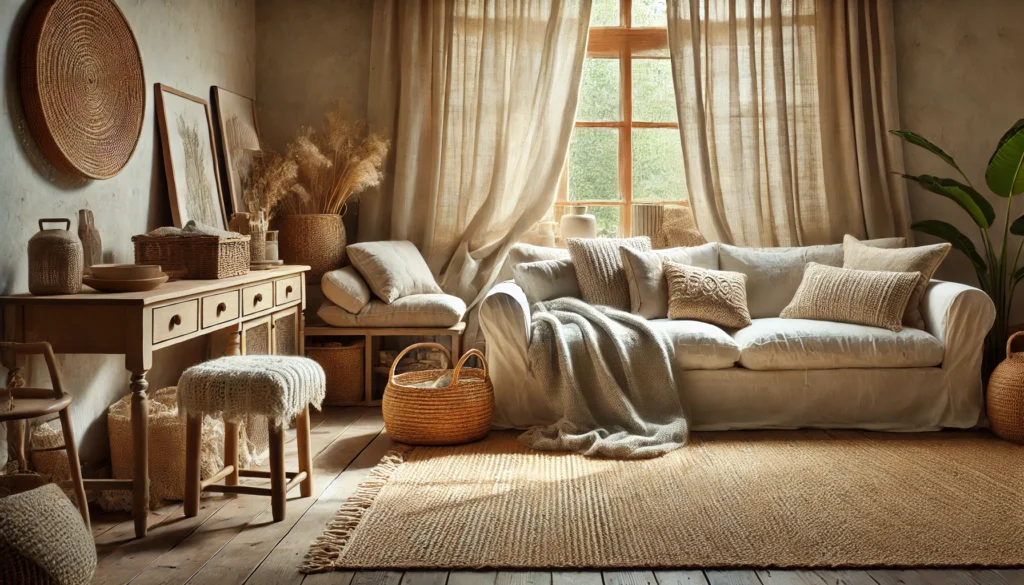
[1004, 402]
[439, 407]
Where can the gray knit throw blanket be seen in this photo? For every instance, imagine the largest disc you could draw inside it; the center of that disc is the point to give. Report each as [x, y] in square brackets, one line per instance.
[610, 376]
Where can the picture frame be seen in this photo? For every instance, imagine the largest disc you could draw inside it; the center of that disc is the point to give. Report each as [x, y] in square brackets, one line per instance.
[238, 124]
[190, 158]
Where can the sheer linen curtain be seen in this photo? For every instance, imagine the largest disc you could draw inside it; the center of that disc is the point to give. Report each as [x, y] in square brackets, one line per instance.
[784, 108]
[478, 99]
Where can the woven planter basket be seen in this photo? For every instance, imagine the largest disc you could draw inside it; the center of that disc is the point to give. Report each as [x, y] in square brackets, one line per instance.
[458, 412]
[201, 257]
[344, 366]
[316, 240]
[1004, 402]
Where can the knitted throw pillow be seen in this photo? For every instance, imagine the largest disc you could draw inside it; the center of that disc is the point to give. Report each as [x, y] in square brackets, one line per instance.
[923, 259]
[861, 297]
[712, 296]
[599, 270]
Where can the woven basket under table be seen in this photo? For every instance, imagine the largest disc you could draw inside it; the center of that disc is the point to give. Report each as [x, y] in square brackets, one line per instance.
[201, 257]
[1004, 402]
[344, 366]
[457, 413]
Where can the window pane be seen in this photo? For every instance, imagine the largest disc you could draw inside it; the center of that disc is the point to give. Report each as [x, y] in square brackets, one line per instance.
[599, 91]
[605, 13]
[654, 98]
[658, 165]
[607, 221]
[593, 164]
[649, 13]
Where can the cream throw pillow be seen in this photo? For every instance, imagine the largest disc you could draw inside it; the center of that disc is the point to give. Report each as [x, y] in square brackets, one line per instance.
[599, 271]
[712, 296]
[345, 288]
[546, 280]
[861, 297]
[393, 269]
[648, 290]
[923, 259]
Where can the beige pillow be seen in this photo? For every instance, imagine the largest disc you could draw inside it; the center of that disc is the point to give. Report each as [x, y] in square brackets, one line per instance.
[923, 259]
[712, 296]
[861, 297]
[546, 280]
[345, 288]
[648, 290]
[525, 253]
[393, 269]
[599, 271]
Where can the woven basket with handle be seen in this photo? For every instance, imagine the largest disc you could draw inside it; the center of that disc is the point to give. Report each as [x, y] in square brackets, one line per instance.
[1005, 399]
[458, 412]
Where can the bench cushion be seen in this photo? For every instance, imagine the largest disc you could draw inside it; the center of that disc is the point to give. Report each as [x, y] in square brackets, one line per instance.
[412, 311]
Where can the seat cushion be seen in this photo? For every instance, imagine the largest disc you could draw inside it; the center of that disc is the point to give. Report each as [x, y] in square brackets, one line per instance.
[411, 311]
[699, 345]
[802, 344]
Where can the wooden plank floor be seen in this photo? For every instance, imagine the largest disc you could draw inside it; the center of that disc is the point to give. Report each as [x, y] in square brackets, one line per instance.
[233, 540]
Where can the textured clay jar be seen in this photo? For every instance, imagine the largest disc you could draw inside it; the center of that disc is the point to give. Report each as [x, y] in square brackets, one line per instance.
[577, 223]
[55, 260]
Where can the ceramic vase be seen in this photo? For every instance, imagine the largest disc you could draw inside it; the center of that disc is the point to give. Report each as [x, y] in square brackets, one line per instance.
[92, 246]
[577, 223]
[55, 260]
[271, 247]
[257, 238]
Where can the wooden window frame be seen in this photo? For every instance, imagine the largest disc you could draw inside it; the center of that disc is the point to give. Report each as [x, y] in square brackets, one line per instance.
[624, 43]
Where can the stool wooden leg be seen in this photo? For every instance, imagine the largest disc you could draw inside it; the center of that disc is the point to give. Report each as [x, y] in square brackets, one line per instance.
[305, 458]
[231, 451]
[75, 465]
[193, 440]
[278, 479]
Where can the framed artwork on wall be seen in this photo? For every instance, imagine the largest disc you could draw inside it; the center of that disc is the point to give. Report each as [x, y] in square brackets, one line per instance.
[190, 158]
[239, 139]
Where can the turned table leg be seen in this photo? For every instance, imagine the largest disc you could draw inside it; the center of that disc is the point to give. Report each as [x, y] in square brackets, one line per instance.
[140, 440]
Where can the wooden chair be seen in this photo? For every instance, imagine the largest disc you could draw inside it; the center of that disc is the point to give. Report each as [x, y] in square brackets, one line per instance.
[30, 403]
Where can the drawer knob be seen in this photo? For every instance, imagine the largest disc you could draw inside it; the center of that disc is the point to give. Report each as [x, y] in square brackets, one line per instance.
[257, 299]
[175, 320]
[288, 290]
[221, 307]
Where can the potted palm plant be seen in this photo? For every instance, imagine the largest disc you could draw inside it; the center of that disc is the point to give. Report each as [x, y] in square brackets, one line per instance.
[996, 264]
[334, 164]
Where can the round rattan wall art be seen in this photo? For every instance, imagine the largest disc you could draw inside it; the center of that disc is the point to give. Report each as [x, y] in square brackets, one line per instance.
[82, 85]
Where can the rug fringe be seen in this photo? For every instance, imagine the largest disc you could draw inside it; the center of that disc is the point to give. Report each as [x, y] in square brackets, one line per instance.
[325, 550]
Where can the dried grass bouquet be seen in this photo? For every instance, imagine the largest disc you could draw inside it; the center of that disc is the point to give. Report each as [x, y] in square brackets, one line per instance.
[266, 179]
[339, 161]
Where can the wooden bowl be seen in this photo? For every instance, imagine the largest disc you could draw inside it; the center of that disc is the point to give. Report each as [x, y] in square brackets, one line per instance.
[125, 271]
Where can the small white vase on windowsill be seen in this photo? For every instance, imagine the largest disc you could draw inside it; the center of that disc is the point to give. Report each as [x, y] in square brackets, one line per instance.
[577, 223]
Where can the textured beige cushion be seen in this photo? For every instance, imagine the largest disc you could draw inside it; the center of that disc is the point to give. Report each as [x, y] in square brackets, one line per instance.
[648, 291]
[525, 253]
[546, 280]
[773, 274]
[923, 259]
[798, 344]
[411, 311]
[393, 269]
[712, 296]
[599, 271]
[698, 346]
[346, 288]
[862, 297]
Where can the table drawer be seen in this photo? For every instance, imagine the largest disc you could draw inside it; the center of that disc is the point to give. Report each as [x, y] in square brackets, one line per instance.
[220, 308]
[175, 320]
[257, 298]
[288, 290]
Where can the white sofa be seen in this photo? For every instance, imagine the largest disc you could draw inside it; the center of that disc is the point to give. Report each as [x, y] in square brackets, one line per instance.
[785, 373]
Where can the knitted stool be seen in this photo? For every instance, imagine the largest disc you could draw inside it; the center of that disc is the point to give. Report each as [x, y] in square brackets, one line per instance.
[278, 387]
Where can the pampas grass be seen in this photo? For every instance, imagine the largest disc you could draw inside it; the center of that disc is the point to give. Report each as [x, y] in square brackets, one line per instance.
[266, 179]
[333, 164]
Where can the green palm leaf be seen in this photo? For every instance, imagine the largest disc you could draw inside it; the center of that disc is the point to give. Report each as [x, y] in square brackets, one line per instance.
[1017, 227]
[918, 140]
[1003, 175]
[946, 231]
[965, 196]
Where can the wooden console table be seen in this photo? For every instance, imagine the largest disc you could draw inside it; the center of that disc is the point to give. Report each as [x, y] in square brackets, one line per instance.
[261, 311]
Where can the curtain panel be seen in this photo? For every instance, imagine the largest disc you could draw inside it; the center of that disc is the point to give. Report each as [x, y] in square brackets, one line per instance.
[784, 108]
[478, 99]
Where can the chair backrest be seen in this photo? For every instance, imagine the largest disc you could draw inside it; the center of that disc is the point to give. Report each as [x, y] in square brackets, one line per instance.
[44, 349]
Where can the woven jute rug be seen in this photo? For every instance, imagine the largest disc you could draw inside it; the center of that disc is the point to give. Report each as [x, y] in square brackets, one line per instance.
[771, 499]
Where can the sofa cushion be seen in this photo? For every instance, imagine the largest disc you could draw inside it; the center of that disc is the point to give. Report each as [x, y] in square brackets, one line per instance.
[393, 269]
[801, 344]
[346, 288]
[648, 289]
[411, 311]
[546, 280]
[713, 296]
[698, 345]
[526, 253]
[774, 274]
[599, 271]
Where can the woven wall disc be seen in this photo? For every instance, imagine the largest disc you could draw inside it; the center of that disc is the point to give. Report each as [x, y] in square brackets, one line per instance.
[82, 85]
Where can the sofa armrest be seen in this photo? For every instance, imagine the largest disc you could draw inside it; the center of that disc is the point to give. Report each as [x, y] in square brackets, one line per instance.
[958, 315]
[505, 315]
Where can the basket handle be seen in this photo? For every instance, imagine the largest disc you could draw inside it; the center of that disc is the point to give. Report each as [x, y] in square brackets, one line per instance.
[466, 356]
[401, 354]
[1009, 343]
[67, 222]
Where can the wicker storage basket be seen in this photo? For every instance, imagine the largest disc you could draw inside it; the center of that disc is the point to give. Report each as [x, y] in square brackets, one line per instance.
[200, 257]
[1004, 402]
[345, 368]
[317, 240]
[426, 408]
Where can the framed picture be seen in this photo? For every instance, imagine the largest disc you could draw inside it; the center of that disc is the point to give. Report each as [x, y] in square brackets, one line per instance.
[190, 158]
[239, 138]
